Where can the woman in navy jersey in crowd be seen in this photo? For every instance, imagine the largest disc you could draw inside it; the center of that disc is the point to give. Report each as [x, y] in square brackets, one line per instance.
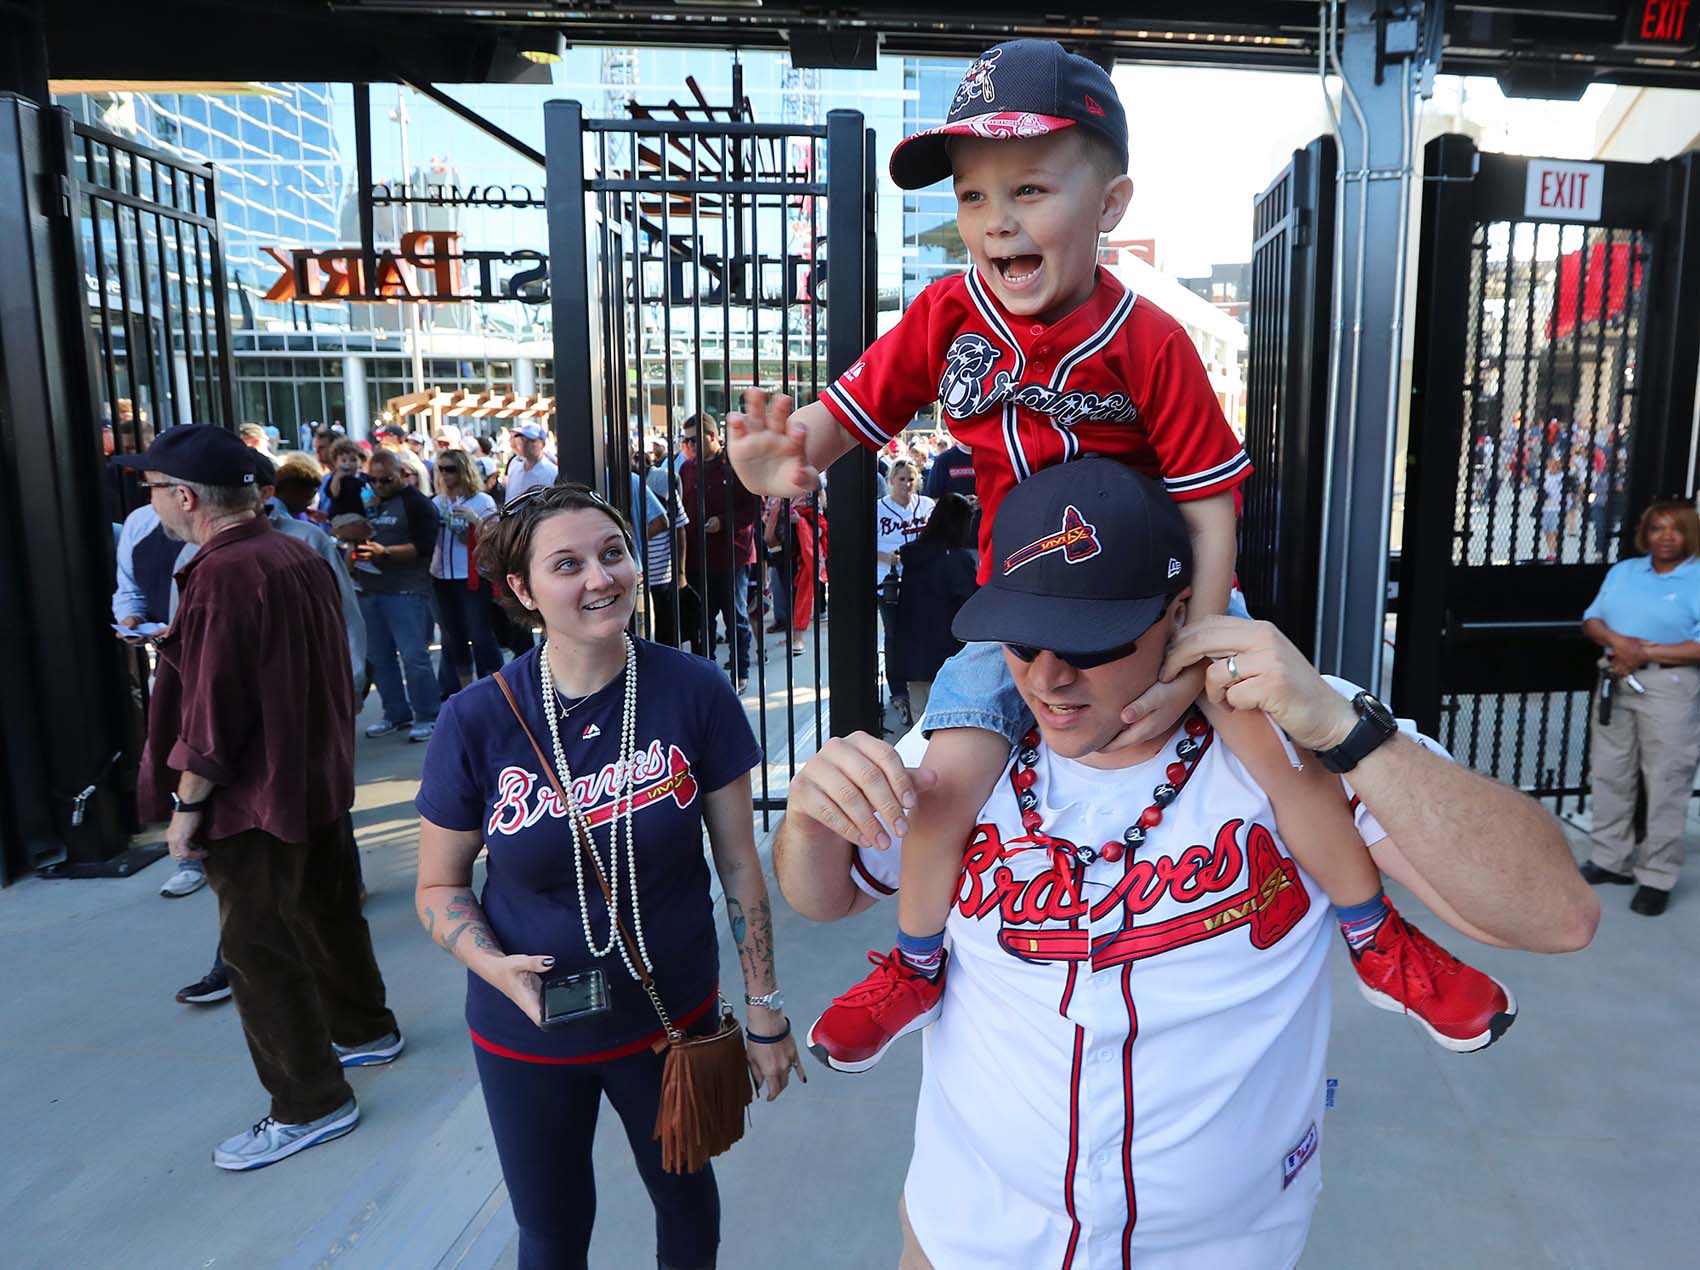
[650, 744]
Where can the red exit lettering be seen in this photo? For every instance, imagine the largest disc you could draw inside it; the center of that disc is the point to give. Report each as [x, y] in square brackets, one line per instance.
[1664, 21]
[1564, 190]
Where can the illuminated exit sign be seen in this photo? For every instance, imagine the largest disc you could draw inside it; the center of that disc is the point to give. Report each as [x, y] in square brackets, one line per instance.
[1661, 24]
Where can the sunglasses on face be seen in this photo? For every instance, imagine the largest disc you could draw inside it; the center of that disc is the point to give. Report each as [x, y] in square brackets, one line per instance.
[1080, 661]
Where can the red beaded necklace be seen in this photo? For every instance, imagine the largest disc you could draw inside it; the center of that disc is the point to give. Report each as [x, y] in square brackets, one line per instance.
[1194, 740]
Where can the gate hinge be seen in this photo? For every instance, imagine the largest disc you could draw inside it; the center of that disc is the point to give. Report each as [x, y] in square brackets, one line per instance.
[1301, 227]
[64, 183]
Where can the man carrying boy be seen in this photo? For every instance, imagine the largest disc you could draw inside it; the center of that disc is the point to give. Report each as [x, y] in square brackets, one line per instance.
[1039, 356]
[1130, 1067]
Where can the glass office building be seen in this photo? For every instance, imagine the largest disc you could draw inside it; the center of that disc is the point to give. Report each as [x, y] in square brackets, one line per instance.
[284, 155]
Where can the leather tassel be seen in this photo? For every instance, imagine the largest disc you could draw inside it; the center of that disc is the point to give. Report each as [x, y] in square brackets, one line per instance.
[706, 1091]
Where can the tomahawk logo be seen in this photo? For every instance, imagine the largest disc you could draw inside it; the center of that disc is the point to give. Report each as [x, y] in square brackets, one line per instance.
[977, 82]
[1078, 540]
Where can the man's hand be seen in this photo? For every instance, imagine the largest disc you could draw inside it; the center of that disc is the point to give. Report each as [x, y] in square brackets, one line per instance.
[1158, 709]
[370, 551]
[850, 781]
[767, 452]
[1273, 676]
[1627, 655]
[180, 836]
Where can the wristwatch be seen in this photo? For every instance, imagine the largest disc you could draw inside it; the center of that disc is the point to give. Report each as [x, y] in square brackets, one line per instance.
[177, 804]
[1375, 725]
[774, 1001]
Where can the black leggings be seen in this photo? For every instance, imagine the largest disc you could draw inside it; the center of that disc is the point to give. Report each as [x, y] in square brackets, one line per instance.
[544, 1119]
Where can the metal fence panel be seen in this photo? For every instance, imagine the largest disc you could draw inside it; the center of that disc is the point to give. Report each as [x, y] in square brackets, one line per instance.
[705, 251]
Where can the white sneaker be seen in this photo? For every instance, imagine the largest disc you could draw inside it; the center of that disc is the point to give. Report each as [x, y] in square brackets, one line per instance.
[268, 1142]
[188, 879]
[421, 731]
[386, 1049]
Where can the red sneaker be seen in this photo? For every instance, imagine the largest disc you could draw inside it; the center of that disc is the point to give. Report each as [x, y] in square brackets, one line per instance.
[858, 1028]
[1405, 971]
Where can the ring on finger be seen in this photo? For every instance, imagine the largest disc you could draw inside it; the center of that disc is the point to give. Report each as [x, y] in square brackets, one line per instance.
[1233, 668]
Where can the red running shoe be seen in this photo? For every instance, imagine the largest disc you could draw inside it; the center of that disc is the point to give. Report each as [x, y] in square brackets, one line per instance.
[1405, 971]
[858, 1028]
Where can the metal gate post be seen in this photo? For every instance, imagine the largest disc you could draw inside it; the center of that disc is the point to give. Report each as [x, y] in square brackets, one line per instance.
[579, 431]
[1437, 422]
[850, 483]
[1376, 138]
[1666, 439]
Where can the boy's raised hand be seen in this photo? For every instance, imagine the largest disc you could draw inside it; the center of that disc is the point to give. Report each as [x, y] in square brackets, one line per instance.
[767, 449]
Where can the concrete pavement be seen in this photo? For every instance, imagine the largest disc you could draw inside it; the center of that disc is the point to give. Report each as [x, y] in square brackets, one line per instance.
[1569, 1144]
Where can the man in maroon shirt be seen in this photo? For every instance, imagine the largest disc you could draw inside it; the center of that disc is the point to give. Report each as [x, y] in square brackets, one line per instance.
[715, 499]
[251, 751]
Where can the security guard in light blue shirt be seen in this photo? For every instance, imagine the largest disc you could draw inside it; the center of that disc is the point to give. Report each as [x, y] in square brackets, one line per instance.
[1647, 618]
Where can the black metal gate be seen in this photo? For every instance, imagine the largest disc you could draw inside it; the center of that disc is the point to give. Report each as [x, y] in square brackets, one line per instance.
[1553, 396]
[1292, 270]
[112, 326]
[689, 263]
[149, 250]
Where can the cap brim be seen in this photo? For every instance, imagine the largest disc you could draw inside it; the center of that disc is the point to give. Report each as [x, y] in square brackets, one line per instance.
[922, 159]
[1064, 625]
[137, 461]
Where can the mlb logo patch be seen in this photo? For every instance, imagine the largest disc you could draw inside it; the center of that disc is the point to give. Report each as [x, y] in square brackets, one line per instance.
[590, 730]
[1298, 1157]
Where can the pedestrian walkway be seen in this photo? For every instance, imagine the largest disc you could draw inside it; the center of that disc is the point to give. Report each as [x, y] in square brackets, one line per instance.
[1567, 1145]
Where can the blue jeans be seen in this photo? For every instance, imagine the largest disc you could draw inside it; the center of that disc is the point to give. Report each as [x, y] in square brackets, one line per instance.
[729, 599]
[464, 616]
[399, 626]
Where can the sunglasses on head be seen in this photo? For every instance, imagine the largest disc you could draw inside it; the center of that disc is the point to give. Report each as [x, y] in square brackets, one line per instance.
[540, 493]
[1080, 661]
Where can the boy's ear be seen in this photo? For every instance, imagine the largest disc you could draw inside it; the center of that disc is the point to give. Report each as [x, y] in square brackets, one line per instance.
[1118, 194]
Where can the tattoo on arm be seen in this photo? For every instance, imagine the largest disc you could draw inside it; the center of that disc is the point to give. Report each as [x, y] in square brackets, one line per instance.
[462, 908]
[735, 912]
[755, 939]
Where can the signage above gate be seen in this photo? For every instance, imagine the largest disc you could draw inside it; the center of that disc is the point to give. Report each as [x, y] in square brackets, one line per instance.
[1661, 24]
[429, 265]
[1557, 190]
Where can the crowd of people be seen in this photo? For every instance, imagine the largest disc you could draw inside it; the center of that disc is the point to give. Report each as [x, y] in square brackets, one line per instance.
[1054, 604]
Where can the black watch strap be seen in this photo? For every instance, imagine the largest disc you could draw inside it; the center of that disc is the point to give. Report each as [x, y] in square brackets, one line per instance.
[1375, 725]
[177, 804]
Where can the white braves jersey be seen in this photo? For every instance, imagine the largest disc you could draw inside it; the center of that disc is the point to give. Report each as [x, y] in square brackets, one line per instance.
[896, 526]
[1128, 1069]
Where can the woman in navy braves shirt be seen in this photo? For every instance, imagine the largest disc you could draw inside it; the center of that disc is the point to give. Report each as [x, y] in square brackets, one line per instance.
[650, 743]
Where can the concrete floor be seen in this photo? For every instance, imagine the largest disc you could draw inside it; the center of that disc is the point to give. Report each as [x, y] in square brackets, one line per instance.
[1569, 1144]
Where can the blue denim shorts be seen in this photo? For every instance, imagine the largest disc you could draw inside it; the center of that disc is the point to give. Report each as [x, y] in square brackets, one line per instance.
[973, 690]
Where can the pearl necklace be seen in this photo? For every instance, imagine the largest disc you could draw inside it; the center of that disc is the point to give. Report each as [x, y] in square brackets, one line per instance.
[1187, 753]
[582, 839]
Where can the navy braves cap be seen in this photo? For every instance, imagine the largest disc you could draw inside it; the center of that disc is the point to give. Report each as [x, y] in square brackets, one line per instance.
[1022, 88]
[200, 452]
[1084, 558]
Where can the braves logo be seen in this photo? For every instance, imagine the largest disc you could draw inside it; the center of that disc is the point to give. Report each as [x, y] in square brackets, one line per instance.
[963, 390]
[1038, 912]
[1078, 540]
[968, 387]
[656, 777]
[977, 81]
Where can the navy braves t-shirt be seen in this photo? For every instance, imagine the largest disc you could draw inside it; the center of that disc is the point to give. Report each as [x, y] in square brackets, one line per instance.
[481, 773]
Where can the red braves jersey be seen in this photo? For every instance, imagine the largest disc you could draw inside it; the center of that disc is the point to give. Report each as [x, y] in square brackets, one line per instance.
[1116, 377]
[1128, 1068]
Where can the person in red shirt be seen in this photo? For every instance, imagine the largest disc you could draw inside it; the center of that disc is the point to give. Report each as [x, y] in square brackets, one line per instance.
[1038, 356]
[258, 783]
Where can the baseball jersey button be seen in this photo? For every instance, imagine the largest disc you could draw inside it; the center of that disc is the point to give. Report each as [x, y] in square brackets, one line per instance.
[1035, 329]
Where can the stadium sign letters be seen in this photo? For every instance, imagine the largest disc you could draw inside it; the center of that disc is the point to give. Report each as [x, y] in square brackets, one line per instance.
[428, 265]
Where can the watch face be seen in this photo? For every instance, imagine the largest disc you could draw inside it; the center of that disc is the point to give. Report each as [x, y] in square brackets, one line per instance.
[1373, 707]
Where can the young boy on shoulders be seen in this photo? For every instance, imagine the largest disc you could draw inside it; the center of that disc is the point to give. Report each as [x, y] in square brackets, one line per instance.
[1039, 356]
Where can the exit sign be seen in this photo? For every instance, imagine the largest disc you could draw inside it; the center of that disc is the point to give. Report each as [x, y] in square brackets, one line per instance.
[1661, 24]
[1557, 190]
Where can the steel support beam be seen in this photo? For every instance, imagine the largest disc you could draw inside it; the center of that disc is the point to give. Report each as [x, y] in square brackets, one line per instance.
[574, 297]
[1371, 219]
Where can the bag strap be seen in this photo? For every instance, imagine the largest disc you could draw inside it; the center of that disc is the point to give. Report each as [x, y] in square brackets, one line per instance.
[585, 845]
